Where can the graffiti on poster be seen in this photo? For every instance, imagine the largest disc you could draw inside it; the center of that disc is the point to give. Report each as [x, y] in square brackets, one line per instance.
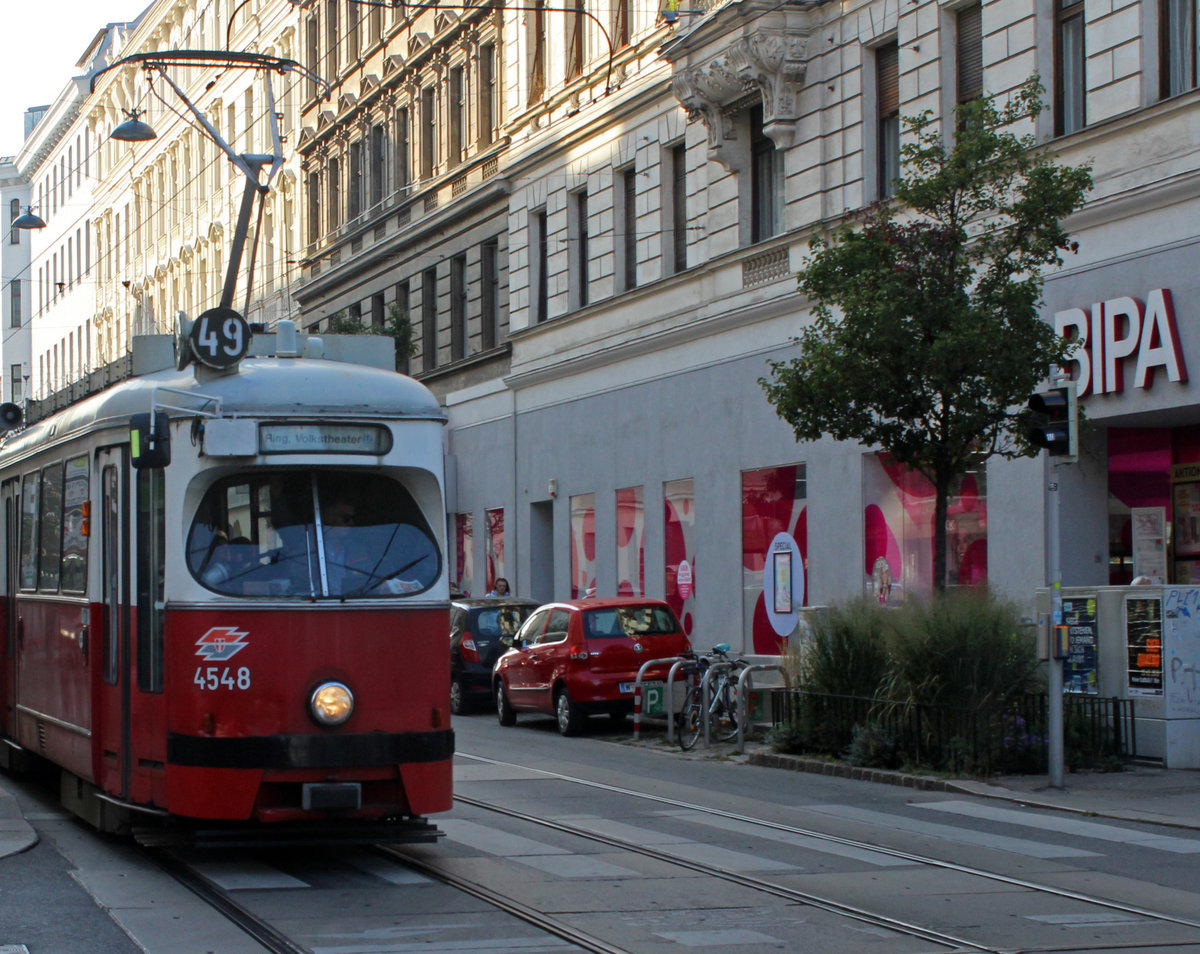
[1181, 652]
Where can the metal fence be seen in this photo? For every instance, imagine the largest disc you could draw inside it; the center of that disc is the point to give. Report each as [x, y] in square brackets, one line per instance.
[1009, 739]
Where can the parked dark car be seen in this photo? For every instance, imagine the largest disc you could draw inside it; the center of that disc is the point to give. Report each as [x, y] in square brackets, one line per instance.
[480, 631]
[581, 658]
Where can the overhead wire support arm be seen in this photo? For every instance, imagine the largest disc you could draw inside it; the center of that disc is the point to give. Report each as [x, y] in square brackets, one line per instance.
[250, 164]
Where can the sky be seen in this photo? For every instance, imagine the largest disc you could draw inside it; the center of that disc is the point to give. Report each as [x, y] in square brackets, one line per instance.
[43, 41]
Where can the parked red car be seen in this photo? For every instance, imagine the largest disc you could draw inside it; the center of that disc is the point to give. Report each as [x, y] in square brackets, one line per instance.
[581, 658]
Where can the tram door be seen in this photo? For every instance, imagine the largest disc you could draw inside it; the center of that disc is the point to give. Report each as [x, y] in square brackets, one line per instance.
[114, 719]
[11, 496]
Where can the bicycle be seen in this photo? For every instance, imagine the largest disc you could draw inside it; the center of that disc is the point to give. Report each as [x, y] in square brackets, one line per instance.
[722, 705]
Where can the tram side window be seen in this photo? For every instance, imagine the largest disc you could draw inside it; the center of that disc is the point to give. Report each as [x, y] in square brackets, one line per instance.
[312, 534]
[74, 543]
[50, 559]
[30, 496]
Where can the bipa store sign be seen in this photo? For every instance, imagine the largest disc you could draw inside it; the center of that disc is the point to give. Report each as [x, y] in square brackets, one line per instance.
[1121, 331]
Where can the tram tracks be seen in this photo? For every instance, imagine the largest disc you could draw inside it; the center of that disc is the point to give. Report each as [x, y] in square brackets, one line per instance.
[825, 903]
[441, 867]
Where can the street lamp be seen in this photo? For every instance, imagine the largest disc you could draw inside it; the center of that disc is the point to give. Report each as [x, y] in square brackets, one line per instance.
[28, 220]
[133, 129]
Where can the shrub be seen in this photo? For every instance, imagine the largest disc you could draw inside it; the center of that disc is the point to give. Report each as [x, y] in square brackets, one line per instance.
[967, 649]
[846, 651]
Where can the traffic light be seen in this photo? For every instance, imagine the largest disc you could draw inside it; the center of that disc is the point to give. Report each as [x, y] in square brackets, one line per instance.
[1052, 421]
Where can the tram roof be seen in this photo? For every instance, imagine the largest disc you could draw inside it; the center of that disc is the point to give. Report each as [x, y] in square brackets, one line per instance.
[260, 387]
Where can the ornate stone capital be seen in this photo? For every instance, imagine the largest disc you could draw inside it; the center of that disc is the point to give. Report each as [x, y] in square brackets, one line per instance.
[746, 49]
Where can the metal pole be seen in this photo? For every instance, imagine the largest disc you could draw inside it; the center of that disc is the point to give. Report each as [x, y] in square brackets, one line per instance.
[1054, 713]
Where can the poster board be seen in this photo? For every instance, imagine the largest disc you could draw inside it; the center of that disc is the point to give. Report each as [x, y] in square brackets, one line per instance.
[1150, 543]
[1143, 645]
[1181, 652]
[1080, 673]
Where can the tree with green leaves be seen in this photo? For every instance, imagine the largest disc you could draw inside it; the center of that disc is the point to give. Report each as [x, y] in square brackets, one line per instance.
[926, 339]
[398, 327]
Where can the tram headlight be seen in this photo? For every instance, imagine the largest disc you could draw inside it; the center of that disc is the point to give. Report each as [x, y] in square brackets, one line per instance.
[331, 703]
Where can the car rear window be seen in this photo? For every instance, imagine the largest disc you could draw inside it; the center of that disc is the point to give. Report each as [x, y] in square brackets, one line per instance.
[501, 621]
[623, 621]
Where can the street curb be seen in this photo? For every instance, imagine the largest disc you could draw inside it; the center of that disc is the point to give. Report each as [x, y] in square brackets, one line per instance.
[924, 783]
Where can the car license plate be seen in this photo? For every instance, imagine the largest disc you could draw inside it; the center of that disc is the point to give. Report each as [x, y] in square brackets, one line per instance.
[627, 687]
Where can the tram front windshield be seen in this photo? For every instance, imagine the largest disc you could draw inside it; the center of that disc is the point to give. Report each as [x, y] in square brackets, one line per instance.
[311, 534]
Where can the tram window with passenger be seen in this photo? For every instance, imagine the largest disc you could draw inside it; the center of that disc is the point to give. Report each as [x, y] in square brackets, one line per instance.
[312, 534]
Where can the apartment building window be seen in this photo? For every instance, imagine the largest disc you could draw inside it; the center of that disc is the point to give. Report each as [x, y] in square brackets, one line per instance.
[14, 213]
[487, 94]
[574, 44]
[887, 97]
[626, 224]
[540, 262]
[489, 293]
[765, 181]
[402, 177]
[456, 118]
[333, 32]
[312, 55]
[1069, 70]
[354, 186]
[353, 32]
[314, 208]
[15, 382]
[579, 250]
[620, 32]
[377, 316]
[1177, 46]
[458, 308]
[14, 303]
[537, 55]
[428, 132]
[375, 27]
[678, 207]
[335, 194]
[969, 49]
[401, 306]
[378, 146]
[429, 319]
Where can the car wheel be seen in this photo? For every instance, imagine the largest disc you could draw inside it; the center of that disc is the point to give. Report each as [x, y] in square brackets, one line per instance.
[504, 710]
[570, 719]
[458, 698]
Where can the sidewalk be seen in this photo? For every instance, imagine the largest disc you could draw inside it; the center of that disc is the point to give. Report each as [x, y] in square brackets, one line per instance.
[1139, 794]
[16, 834]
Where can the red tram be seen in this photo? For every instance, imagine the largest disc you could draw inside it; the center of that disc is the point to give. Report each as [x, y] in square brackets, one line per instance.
[225, 598]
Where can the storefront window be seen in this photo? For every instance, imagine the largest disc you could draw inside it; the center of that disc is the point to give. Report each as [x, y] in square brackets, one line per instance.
[464, 548]
[774, 554]
[583, 546]
[495, 546]
[898, 511]
[631, 542]
[679, 549]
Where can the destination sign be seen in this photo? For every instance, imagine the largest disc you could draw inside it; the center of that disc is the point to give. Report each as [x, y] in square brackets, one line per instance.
[323, 439]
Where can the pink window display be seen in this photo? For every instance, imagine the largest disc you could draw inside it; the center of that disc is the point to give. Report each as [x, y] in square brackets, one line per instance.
[464, 550]
[774, 540]
[583, 546]
[679, 550]
[898, 510]
[631, 542]
[495, 546]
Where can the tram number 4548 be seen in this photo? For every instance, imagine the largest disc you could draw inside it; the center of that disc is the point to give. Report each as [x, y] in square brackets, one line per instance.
[222, 677]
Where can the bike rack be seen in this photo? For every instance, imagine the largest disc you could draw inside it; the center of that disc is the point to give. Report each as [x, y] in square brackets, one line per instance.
[744, 676]
[706, 696]
[681, 662]
[637, 693]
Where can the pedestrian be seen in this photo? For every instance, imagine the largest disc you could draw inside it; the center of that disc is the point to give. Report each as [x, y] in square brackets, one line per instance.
[499, 588]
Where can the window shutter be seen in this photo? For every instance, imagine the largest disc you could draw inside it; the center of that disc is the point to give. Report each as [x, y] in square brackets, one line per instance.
[887, 68]
[970, 53]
